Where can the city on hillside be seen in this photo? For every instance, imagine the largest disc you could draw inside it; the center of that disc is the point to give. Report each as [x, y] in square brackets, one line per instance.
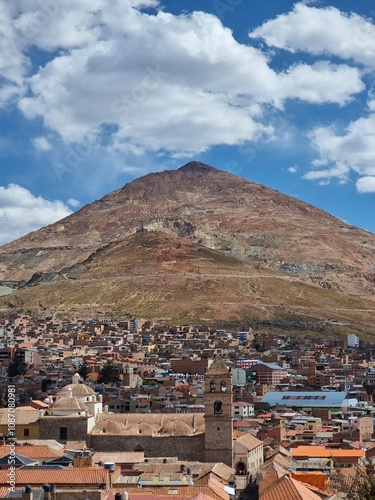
[134, 410]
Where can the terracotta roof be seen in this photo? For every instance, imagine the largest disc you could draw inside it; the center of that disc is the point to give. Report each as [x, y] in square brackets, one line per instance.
[223, 471]
[249, 441]
[39, 403]
[217, 487]
[119, 457]
[31, 451]
[200, 496]
[323, 452]
[288, 488]
[23, 417]
[242, 423]
[317, 479]
[84, 475]
[270, 473]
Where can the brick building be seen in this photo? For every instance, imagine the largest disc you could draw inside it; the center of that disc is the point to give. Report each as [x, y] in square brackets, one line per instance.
[269, 373]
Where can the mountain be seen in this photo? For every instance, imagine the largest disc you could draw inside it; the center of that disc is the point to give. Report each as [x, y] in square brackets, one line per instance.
[196, 244]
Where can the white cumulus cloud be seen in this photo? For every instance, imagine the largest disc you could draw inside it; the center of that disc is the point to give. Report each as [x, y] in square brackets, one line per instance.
[22, 212]
[366, 184]
[162, 82]
[321, 31]
[340, 153]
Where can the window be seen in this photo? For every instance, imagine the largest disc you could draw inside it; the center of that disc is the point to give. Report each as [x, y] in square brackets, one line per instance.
[63, 433]
[218, 410]
[26, 432]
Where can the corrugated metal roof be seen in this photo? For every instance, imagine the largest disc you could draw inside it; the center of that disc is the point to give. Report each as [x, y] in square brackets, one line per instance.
[306, 399]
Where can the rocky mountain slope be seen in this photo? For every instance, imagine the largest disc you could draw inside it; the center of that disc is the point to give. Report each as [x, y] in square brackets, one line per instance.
[196, 243]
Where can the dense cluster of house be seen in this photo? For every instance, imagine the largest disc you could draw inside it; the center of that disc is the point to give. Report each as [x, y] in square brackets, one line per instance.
[195, 412]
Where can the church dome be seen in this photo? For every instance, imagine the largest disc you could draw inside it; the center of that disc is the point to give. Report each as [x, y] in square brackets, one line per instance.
[140, 428]
[176, 428]
[69, 404]
[111, 427]
[78, 390]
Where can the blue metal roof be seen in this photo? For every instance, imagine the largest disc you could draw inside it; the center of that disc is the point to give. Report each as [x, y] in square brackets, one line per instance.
[270, 365]
[313, 399]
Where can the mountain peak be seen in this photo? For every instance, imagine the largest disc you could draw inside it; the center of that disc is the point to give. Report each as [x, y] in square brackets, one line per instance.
[197, 166]
[181, 243]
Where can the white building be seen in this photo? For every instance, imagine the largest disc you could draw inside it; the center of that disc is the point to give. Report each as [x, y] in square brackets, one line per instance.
[243, 410]
[238, 376]
[353, 340]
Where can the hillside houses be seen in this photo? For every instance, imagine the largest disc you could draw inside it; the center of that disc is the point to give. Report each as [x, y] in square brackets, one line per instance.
[160, 402]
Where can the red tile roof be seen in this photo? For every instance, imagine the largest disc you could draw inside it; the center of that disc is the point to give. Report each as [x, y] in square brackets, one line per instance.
[81, 476]
[31, 451]
[288, 488]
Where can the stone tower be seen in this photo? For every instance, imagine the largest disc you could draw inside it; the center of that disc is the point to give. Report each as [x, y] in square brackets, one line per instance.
[127, 376]
[218, 413]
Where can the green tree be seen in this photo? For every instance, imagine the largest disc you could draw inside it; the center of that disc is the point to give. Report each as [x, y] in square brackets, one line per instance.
[361, 486]
[16, 367]
[109, 373]
[83, 370]
[27, 394]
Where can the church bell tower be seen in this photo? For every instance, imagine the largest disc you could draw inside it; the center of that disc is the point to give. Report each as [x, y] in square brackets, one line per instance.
[218, 413]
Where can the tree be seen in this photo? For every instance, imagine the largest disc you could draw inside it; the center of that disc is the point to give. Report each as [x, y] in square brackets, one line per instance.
[361, 486]
[16, 368]
[83, 370]
[27, 394]
[369, 387]
[109, 373]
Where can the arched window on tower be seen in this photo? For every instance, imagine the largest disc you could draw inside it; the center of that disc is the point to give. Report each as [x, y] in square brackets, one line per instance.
[212, 386]
[223, 386]
[218, 408]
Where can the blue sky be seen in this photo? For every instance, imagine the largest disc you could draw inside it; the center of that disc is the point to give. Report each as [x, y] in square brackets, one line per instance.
[96, 93]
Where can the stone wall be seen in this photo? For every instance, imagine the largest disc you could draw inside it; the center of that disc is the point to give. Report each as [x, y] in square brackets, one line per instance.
[190, 448]
[49, 428]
